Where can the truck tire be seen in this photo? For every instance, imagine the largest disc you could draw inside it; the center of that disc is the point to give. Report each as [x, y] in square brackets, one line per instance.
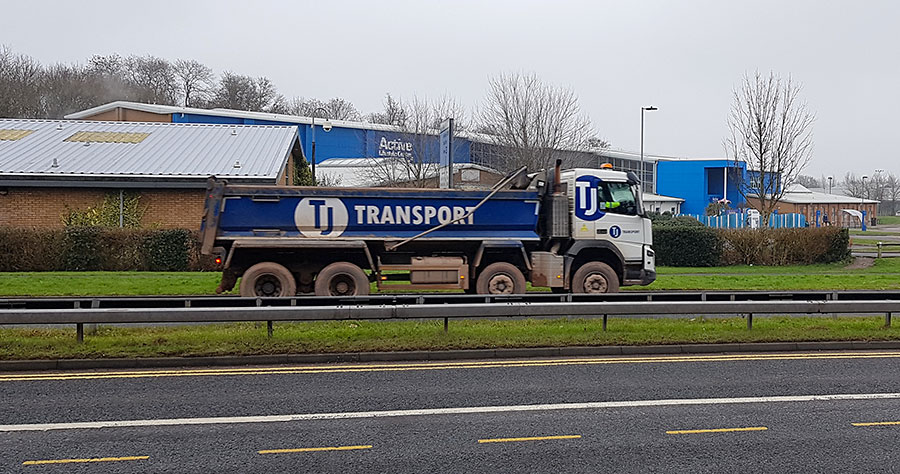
[342, 279]
[500, 278]
[595, 277]
[268, 279]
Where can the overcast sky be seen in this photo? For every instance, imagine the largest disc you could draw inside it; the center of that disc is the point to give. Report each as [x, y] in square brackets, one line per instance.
[684, 57]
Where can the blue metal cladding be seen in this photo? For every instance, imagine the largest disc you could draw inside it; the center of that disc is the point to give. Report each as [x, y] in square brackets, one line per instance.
[700, 182]
[377, 214]
[345, 142]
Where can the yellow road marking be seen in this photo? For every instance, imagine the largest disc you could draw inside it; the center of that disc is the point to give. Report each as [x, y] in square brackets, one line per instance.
[877, 423]
[67, 461]
[532, 438]
[308, 450]
[718, 430]
[437, 366]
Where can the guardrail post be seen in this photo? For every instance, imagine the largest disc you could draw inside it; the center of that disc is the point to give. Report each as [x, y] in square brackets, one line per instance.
[446, 324]
[269, 328]
[604, 322]
[79, 332]
[749, 321]
[879, 249]
[887, 319]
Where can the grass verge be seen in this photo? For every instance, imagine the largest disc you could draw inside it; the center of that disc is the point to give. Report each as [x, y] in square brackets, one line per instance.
[356, 336]
[883, 275]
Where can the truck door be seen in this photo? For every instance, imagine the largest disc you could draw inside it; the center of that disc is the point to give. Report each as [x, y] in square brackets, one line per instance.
[609, 210]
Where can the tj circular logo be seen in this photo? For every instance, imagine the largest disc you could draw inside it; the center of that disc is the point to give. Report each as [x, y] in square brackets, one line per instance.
[615, 232]
[321, 217]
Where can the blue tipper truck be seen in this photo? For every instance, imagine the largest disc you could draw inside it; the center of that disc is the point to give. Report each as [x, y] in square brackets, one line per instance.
[578, 230]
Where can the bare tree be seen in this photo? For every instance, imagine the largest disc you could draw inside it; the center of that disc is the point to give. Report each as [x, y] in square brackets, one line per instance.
[878, 186]
[239, 92]
[771, 133]
[336, 108]
[808, 181]
[533, 123]
[412, 158]
[20, 94]
[153, 77]
[195, 82]
[394, 113]
[892, 195]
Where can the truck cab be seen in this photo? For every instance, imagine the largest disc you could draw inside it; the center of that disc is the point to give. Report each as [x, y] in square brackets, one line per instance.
[606, 207]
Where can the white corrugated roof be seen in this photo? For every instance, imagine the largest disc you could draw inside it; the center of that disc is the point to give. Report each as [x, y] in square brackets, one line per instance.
[650, 197]
[241, 114]
[169, 150]
[799, 194]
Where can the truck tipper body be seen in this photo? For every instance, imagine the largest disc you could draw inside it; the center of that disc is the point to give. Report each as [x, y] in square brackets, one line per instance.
[578, 230]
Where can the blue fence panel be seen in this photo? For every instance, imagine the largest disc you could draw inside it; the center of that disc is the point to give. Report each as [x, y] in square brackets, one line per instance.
[738, 220]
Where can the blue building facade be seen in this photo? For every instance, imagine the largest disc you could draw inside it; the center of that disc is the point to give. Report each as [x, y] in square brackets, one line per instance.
[700, 182]
[349, 142]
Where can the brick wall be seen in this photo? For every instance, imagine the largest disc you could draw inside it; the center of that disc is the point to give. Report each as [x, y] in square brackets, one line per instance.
[44, 207]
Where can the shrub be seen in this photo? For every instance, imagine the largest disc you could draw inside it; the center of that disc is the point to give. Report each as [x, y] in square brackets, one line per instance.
[666, 219]
[106, 214]
[100, 248]
[31, 250]
[81, 248]
[168, 250]
[686, 246]
[784, 246]
[701, 246]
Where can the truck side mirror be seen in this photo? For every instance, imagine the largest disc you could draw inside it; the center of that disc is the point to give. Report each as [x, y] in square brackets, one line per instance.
[632, 179]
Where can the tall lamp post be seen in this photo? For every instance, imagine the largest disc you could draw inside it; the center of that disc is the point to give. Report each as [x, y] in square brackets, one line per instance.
[641, 174]
[325, 126]
[862, 204]
[830, 180]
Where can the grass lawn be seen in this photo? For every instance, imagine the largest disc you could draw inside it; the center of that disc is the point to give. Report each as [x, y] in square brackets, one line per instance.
[884, 274]
[873, 233]
[888, 220]
[108, 283]
[354, 336]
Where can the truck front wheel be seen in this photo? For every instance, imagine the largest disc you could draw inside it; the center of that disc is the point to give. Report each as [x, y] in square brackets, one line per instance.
[500, 278]
[268, 279]
[595, 277]
[342, 279]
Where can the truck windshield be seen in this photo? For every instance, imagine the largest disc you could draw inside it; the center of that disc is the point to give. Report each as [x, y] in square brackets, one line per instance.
[617, 198]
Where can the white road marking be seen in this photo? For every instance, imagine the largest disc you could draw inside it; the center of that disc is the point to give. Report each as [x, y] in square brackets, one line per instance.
[440, 411]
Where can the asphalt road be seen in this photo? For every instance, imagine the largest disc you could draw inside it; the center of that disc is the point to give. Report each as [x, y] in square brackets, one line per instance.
[782, 412]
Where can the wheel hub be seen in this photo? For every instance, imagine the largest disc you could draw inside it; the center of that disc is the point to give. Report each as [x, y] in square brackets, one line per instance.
[268, 286]
[501, 284]
[595, 283]
[342, 285]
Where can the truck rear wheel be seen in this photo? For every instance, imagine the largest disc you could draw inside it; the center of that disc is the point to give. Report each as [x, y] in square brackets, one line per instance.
[595, 277]
[268, 279]
[500, 278]
[342, 279]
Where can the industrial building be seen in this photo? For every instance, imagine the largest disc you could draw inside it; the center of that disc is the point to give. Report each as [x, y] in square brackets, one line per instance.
[677, 185]
[49, 168]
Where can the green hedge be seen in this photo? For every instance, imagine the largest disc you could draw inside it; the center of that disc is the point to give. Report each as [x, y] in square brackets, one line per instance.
[686, 246]
[702, 246]
[97, 248]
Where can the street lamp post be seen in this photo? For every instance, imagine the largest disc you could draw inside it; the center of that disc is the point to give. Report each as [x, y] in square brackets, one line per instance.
[325, 126]
[641, 174]
[862, 205]
[830, 179]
